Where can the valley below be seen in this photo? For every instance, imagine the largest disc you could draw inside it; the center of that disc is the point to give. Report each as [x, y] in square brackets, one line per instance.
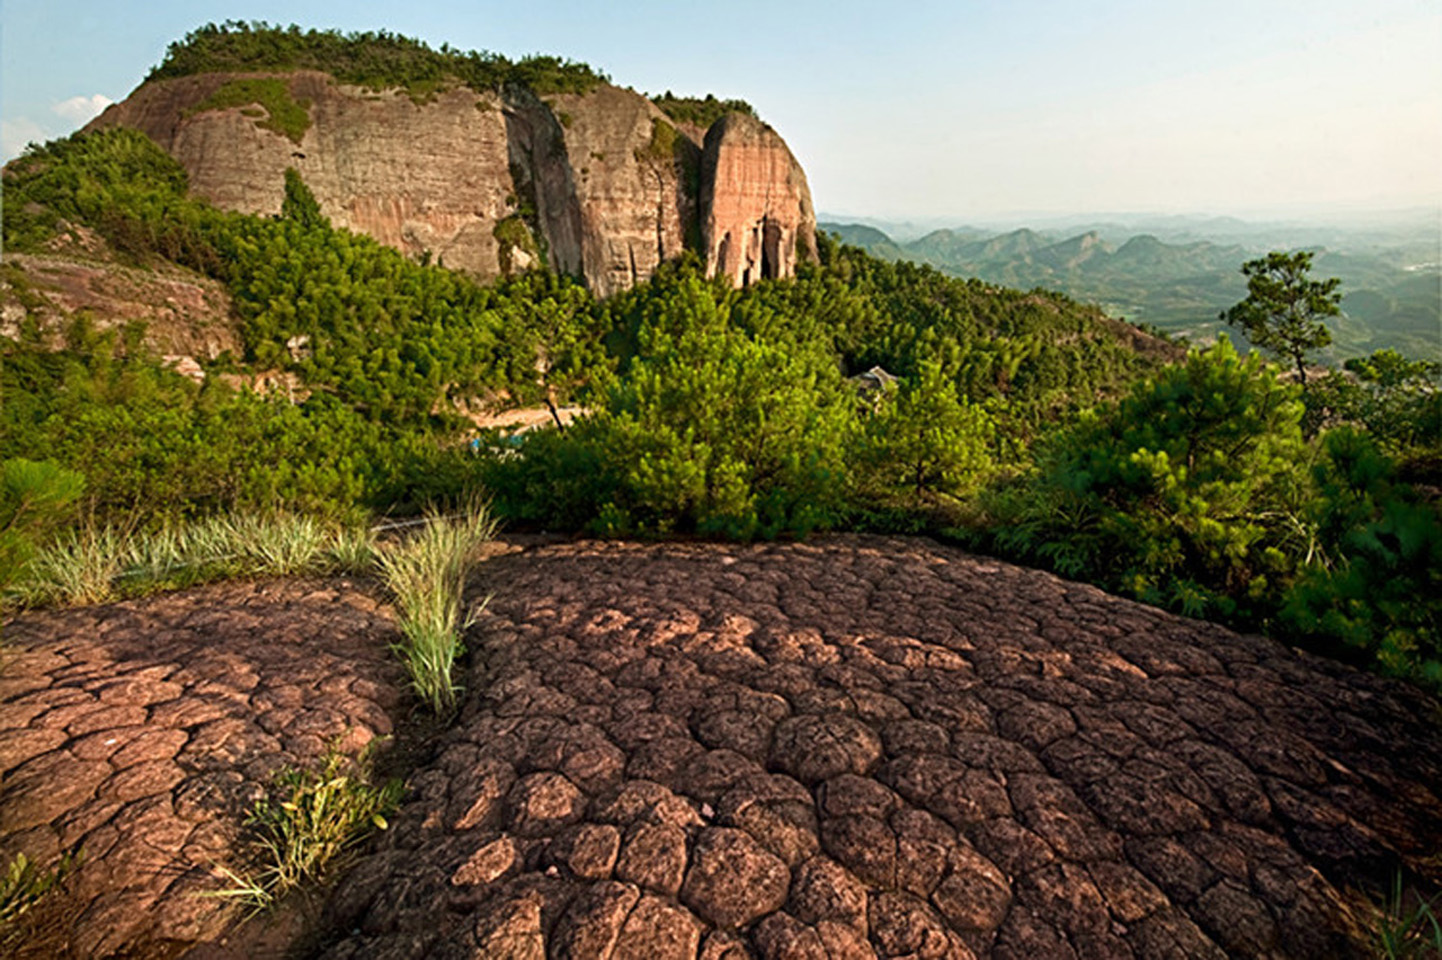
[1177, 274]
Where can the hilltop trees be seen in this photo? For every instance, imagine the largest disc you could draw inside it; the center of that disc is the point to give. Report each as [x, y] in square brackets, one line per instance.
[1285, 310]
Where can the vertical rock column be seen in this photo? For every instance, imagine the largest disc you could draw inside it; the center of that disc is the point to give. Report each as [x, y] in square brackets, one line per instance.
[756, 216]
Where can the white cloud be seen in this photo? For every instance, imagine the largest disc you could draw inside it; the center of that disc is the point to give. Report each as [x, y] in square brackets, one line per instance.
[16, 134]
[83, 109]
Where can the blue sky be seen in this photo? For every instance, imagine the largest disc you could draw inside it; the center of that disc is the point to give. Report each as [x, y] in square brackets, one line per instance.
[960, 110]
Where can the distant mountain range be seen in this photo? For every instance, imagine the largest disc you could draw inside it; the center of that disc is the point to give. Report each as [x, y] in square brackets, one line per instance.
[1393, 290]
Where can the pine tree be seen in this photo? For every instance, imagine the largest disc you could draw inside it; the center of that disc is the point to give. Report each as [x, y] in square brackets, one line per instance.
[1285, 310]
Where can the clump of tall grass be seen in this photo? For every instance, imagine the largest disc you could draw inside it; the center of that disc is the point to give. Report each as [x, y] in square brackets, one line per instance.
[352, 549]
[310, 819]
[278, 545]
[98, 564]
[427, 573]
[79, 567]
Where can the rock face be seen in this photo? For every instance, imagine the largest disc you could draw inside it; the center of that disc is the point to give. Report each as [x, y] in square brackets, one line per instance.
[758, 217]
[601, 185]
[857, 747]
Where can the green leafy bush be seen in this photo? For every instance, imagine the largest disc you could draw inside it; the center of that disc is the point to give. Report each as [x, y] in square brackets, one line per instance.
[299, 204]
[33, 498]
[700, 111]
[710, 430]
[1187, 493]
[923, 438]
[1378, 597]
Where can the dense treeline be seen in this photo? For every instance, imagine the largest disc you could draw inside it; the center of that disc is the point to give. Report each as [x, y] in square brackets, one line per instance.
[1018, 422]
[378, 60]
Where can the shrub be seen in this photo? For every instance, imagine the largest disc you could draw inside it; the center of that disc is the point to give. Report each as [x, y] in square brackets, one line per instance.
[923, 438]
[1188, 493]
[284, 114]
[700, 111]
[711, 430]
[377, 60]
[1377, 598]
[33, 497]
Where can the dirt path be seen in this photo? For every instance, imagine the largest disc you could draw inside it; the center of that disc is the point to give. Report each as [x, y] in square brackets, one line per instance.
[851, 748]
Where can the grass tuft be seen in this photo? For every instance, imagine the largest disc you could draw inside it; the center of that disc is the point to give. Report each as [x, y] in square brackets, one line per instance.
[78, 568]
[279, 545]
[95, 565]
[352, 550]
[310, 820]
[427, 573]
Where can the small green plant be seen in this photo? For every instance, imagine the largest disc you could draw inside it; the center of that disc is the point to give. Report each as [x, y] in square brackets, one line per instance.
[23, 884]
[1409, 926]
[427, 574]
[311, 819]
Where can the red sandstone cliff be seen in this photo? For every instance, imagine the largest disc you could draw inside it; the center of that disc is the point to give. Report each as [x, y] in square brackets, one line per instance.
[758, 220]
[611, 186]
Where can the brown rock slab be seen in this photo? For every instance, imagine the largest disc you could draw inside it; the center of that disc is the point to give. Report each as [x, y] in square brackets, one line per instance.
[487, 864]
[543, 803]
[588, 850]
[852, 747]
[654, 858]
[733, 880]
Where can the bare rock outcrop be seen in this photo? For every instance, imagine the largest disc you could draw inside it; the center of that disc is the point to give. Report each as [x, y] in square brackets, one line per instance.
[758, 220]
[185, 315]
[600, 185]
[431, 176]
[854, 747]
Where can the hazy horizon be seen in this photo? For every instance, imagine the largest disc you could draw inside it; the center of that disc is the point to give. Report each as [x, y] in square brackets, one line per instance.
[998, 112]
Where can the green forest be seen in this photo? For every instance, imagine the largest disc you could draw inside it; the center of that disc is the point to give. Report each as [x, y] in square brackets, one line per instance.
[1022, 424]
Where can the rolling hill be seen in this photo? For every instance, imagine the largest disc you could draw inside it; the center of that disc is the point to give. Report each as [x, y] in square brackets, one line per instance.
[1181, 285]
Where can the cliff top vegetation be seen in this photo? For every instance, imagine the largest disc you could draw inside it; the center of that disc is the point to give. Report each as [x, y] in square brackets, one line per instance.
[698, 110]
[375, 59]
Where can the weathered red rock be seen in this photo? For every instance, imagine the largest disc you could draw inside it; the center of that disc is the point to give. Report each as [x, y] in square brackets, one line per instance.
[757, 220]
[615, 188]
[733, 880]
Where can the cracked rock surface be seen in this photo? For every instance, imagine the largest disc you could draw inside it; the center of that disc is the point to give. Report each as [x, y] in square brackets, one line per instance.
[143, 732]
[868, 746]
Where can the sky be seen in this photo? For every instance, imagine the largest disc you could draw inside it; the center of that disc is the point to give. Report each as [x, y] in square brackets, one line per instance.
[962, 111]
